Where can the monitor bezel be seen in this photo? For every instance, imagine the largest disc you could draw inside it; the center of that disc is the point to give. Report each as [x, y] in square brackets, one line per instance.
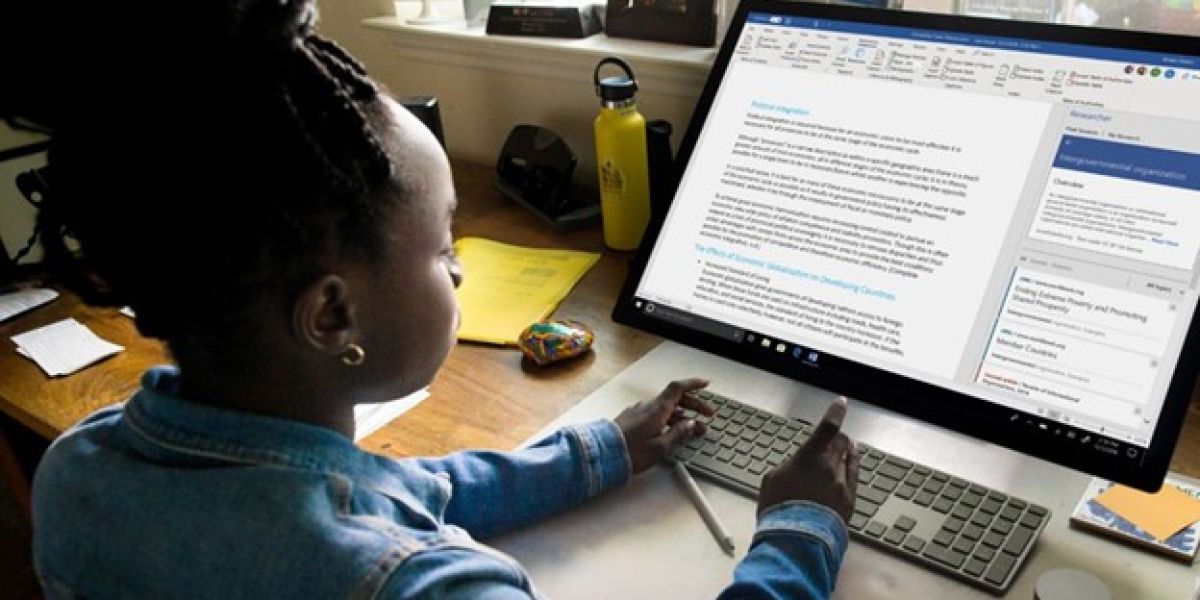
[940, 406]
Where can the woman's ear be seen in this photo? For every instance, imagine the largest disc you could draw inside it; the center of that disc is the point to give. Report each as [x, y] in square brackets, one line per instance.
[323, 315]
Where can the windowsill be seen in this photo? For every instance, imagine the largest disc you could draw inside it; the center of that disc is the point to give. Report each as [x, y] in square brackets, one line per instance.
[663, 68]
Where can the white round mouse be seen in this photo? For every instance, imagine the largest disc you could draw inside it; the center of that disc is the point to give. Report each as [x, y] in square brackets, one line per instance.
[1070, 584]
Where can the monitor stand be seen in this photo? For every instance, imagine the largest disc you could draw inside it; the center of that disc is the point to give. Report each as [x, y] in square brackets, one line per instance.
[647, 541]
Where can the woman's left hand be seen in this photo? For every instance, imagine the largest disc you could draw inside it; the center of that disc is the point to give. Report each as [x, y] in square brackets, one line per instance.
[652, 428]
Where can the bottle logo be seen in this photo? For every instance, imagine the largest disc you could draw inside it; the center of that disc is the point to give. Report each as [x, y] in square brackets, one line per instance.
[611, 179]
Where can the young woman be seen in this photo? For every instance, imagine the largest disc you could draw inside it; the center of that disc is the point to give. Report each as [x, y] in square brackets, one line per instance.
[284, 226]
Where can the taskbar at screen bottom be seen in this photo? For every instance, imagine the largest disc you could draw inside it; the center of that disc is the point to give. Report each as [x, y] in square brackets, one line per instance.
[801, 362]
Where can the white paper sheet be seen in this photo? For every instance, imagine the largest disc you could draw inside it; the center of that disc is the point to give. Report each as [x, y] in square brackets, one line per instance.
[15, 303]
[64, 347]
[368, 418]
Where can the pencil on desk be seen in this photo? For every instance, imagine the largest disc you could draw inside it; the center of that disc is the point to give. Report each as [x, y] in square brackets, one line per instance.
[705, 509]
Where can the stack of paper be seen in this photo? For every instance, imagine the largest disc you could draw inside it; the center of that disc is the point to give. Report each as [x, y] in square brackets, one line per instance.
[505, 288]
[370, 417]
[1160, 514]
[64, 347]
[1165, 522]
[18, 302]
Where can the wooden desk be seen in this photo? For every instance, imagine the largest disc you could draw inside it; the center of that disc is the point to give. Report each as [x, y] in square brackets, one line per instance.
[484, 396]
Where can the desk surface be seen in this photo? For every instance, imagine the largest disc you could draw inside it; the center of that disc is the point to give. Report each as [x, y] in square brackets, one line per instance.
[649, 534]
[483, 397]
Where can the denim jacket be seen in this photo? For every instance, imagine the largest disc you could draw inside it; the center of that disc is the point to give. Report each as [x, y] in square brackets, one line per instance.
[166, 498]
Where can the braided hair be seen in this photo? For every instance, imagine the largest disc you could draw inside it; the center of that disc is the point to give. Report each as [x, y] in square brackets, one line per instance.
[257, 152]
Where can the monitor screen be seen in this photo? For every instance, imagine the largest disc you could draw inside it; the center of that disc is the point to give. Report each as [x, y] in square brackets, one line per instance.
[992, 226]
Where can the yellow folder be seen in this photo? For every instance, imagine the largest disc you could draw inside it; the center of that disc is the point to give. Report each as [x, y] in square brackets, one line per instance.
[505, 287]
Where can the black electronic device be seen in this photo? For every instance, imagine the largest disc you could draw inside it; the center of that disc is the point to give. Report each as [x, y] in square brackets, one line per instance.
[33, 186]
[932, 214]
[661, 166]
[536, 169]
[426, 109]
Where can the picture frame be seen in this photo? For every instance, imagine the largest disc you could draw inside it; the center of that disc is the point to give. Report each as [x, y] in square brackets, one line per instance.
[690, 22]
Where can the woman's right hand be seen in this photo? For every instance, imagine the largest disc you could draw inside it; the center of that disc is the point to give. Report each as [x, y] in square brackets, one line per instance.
[824, 470]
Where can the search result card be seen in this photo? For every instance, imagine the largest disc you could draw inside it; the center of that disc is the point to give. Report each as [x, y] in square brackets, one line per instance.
[1057, 338]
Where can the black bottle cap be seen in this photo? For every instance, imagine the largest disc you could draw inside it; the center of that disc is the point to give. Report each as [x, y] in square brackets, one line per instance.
[618, 88]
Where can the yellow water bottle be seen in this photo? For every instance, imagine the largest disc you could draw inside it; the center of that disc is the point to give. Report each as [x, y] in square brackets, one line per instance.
[621, 159]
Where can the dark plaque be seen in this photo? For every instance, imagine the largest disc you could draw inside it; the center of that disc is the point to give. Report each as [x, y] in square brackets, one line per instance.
[546, 20]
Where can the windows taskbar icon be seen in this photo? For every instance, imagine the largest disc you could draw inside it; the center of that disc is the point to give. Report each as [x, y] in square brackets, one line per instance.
[777, 347]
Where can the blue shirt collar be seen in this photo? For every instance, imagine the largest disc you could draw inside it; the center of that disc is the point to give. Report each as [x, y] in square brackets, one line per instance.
[160, 422]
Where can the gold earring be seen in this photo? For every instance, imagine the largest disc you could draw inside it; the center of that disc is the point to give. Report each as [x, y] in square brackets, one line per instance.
[353, 355]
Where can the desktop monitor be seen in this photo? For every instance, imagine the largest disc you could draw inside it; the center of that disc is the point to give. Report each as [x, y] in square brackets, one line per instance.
[989, 225]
